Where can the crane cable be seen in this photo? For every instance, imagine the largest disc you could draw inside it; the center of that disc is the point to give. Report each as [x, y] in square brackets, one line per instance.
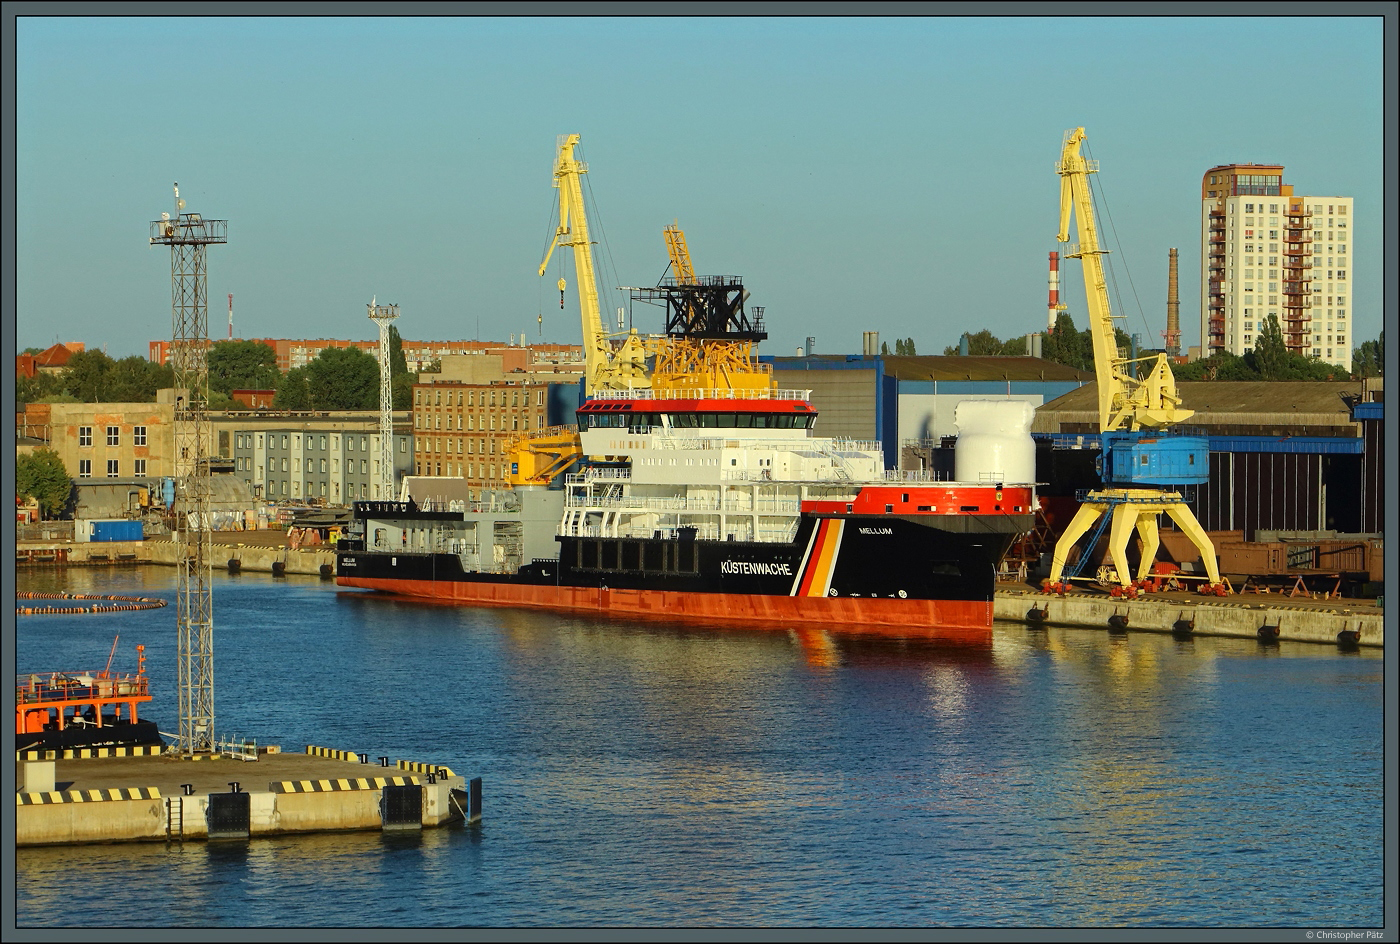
[596, 222]
[1127, 270]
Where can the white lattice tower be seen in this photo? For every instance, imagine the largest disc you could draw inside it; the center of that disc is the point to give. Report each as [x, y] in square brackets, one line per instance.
[382, 315]
[187, 235]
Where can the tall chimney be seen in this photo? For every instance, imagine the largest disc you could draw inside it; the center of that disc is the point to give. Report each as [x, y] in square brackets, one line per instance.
[1054, 303]
[1173, 332]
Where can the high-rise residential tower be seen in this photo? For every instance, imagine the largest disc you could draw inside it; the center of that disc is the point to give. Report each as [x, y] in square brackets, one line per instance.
[1266, 251]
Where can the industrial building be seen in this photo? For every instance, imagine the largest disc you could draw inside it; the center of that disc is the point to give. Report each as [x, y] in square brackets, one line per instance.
[907, 402]
[1284, 456]
[1266, 251]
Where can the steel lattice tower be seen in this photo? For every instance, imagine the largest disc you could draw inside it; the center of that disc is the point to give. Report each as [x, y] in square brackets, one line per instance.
[187, 235]
[382, 315]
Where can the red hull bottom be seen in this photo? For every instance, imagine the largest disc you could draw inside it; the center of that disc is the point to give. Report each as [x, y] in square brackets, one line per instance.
[954, 619]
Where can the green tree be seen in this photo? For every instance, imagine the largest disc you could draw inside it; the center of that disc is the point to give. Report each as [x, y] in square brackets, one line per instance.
[86, 375]
[1270, 354]
[1067, 345]
[401, 379]
[242, 365]
[294, 391]
[1368, 360]
[885, 348]
[135, 380]
[1014, 347]
[41, 475]
[343, 379]
[35, 389]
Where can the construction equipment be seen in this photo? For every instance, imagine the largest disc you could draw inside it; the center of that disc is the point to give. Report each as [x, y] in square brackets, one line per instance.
[709, 339]
[607, 365]
[1136, 457]
[540, 458]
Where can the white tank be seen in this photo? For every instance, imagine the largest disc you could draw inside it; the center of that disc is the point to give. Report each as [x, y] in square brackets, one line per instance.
[994, 441]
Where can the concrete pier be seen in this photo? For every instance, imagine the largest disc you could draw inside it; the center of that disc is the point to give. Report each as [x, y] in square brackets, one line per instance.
[160, 798]
[1282, 618]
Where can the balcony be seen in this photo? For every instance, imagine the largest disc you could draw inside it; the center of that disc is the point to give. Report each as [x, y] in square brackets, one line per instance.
[1218, 240]
[1298, 211]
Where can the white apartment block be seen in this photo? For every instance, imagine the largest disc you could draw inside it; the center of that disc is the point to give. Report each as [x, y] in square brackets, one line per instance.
[1267, 251]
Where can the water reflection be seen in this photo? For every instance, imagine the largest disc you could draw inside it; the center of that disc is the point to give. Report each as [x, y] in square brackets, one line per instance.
[654, 773]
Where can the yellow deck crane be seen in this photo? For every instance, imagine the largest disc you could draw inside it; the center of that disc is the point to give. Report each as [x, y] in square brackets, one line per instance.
[1137, 457]
[709, 341]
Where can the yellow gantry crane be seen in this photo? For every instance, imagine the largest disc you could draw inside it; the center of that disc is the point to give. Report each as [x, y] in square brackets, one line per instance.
[1137, 458]
[606, 367]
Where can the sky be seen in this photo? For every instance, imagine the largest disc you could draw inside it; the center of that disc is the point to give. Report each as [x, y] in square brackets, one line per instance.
[891, 174]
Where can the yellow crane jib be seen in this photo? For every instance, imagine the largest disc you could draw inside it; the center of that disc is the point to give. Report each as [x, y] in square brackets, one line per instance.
[605, 368]
[1136, 457]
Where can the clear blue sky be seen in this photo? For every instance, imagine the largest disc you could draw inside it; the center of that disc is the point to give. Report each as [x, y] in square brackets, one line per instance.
[889, 174]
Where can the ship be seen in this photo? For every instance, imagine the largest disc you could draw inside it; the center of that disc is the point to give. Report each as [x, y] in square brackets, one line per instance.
[719, 507]
[690, 487]
[60, 711]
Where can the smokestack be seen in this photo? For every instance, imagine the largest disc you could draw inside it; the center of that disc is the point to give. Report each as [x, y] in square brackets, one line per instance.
[230, 316]
[1173, 332]
[1053, 305]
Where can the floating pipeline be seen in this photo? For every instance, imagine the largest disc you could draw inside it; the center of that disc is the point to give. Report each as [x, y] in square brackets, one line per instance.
[115, 604]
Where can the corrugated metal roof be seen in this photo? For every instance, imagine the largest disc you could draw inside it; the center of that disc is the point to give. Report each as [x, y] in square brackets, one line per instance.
[944, 367]
[1241, 402]
[1239, 396]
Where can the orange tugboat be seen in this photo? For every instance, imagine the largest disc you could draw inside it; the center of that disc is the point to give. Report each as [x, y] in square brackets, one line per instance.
[68, 710]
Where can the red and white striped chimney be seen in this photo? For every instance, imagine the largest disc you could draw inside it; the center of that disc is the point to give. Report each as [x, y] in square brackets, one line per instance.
[1054, 303]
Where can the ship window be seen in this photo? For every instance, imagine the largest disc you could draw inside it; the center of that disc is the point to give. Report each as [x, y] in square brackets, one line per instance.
[904, 498]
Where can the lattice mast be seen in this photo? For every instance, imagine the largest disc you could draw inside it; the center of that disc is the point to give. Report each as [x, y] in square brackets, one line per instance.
[187, 235]
[382, 315]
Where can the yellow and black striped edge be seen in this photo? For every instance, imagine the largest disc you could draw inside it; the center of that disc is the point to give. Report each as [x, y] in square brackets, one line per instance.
[87, 796]
[313, 751]
[424, 768]
[88, 753]
[331, 786]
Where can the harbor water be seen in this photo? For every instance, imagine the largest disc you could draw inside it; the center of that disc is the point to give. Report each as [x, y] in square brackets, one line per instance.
[663, 775]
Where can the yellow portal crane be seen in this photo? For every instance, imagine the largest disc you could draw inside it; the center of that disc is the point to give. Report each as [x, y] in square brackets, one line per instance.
[605, 367]
[1131, 411]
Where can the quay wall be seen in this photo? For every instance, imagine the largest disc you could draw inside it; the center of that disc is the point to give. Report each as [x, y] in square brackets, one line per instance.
[67, 822]
[251, 558]
[1212, 616]
[65, 818]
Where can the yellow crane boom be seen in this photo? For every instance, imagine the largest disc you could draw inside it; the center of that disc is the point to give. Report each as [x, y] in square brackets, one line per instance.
[1124, 400]
[604, 367]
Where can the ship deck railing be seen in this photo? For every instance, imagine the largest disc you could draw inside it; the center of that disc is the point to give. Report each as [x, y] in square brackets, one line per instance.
[598, 475]
[683, 504]
[764, 535]
[36, 688]
[701, 393]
